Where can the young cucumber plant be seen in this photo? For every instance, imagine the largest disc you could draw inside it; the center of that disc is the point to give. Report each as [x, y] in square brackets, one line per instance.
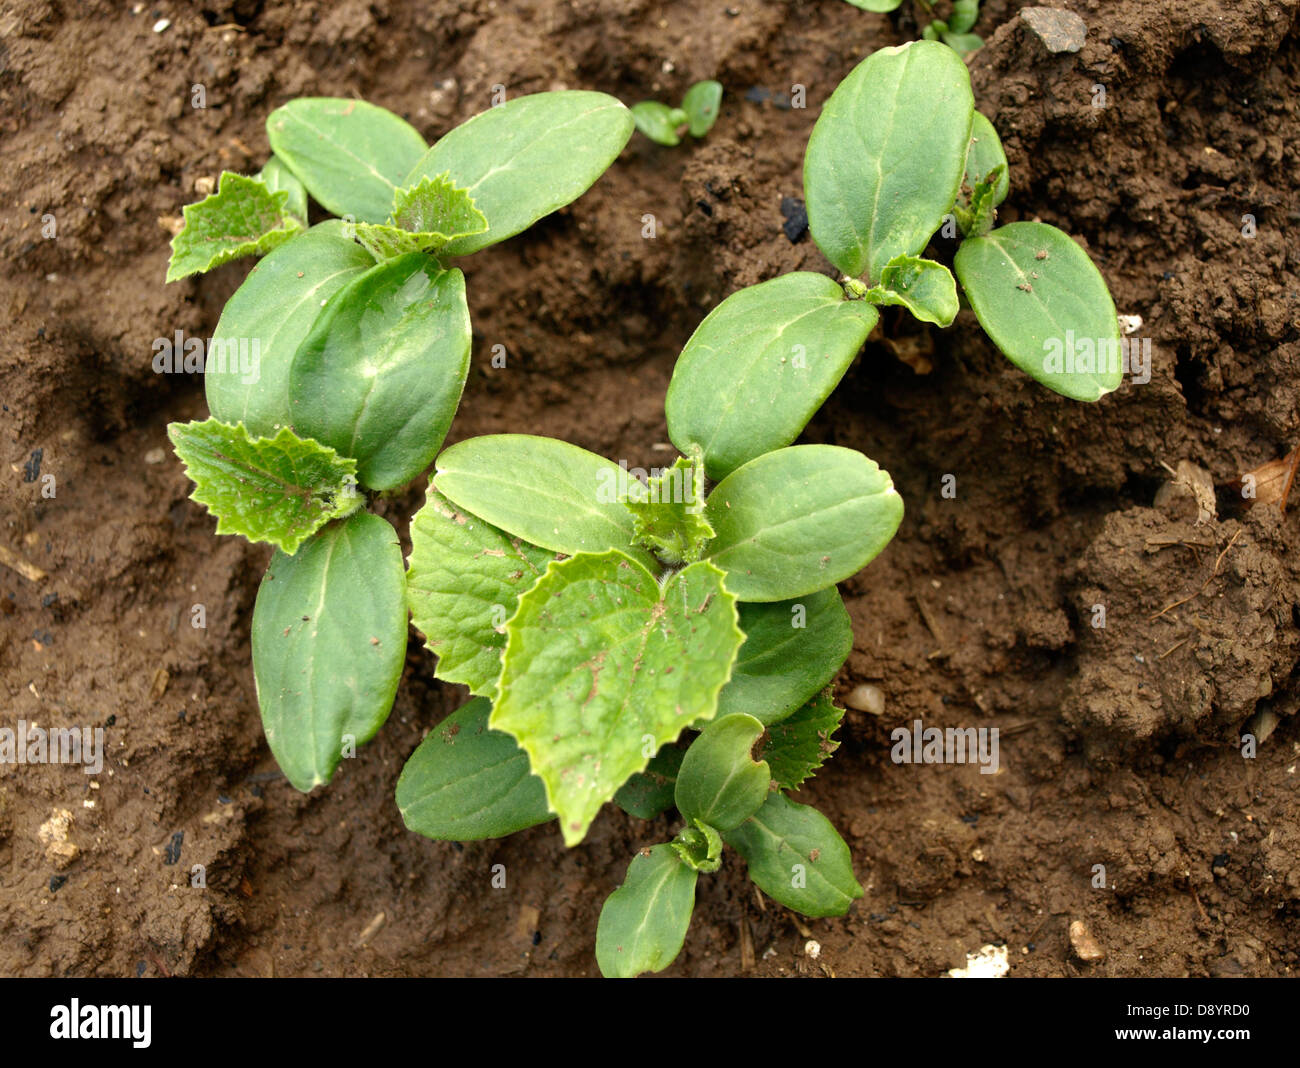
[954, 31]
[665, 125]
[601, 623]
[336, 368]
[897, 153]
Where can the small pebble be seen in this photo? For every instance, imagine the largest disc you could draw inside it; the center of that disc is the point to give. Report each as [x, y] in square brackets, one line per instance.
[867, 698]
[155, 456]
[1060, 31]
[812, 948]
[1085, 946]
[161, 25]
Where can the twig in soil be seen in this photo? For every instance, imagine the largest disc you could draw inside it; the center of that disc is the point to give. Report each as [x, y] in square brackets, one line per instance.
[1213, 575]
[746, 946]
[30, 572]
[1177, 645]
[934, 628]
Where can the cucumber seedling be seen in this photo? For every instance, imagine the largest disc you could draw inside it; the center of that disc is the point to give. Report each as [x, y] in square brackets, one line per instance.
[336, 368]
[954, 31]
[696, 116]
[601, 623]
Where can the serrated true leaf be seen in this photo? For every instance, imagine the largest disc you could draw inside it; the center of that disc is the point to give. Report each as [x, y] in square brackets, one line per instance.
[669, 518]
[277, 176]
[643, 923]
[351, 156]
[760, 364]
[527, 158]
[701, 103]
[247, 373]
[425, 217]
[656, 121]
[720, 783]
[545, 491]
[799, 520]
[600, 662]
[801, 743]
[885, 158]
[381, 372]
[925, 288]
[329, 641]
[792, 650]
[242, 218]
[1043, 302]
[279, 490]
[796, 857]
[649, 793]
[467, 782]
[463, 582]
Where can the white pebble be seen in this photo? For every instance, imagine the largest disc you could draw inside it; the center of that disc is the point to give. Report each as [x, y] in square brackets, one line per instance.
[867, 698]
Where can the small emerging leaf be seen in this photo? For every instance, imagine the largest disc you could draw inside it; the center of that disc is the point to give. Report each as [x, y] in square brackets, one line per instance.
[242, 218]
[669, 519]
[601, 663]
[720, 783]
[699, 846]
[656, 121]
[925, 288]
[425, 217]
[464, 581]
[279, 490]
[701, 104]
[329, 641]
[796, 857]
[643, 923]
[801, 743]
[467, 782]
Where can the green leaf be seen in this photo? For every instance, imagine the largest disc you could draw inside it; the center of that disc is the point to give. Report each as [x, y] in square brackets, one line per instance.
[276, 176]
[643, 923]
[699, 846]
[655, 120]
[792, 650]
[527, 158]
[425, 218]
[602, 667]
[925, 288]
[464, 581]
[800, 744]
[649, 793]
[963, 43]
[885, 158]
[329, 641]
[760, 364]
[669, 519]
[467, 782]
[242, 218]
[381, 372]
[701, 104]
[279, 490]
[797, 858]
[964, 15]
[799, 520]
[351, 156]
[983, 157]
[720, 783]
[1046, 306]
[878, 6]
[247, 372]
[548, 492]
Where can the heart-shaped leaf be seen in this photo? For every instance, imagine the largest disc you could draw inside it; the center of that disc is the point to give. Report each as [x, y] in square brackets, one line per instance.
[701, 104]
[1046, 306]
[796, 857]
[242, 218]
[792, 649]
[247, 371]
[603, 666]
[547, 492]
[329, 641]
[464, 581]
[351, 156]
[381, 372]
[467, 782]
[760, 364]
[527, 158]
[279, 490]
[643, 923]
[925, 288]
[801, 743]
[720, 783]
[799, 520]
[885, 158]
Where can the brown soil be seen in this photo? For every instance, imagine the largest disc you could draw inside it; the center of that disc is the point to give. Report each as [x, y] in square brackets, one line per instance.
[1120, 744]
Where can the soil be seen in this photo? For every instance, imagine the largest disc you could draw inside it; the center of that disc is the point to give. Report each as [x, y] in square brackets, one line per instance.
[1120, 744]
